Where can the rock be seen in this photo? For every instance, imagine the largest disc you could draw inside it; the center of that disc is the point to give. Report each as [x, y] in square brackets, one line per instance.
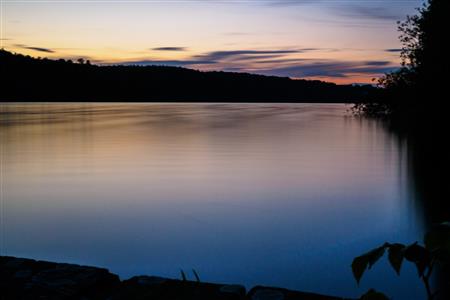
[150, 280]
[24, 279]
[31, 279]
[23, 274]
[158, 288]
[267, 294]
[272, 293]
[234, 289]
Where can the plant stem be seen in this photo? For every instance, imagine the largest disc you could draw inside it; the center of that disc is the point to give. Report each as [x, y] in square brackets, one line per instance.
[426, 281]
[427, 287]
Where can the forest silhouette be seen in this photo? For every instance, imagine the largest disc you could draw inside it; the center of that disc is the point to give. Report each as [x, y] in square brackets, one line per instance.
[42, 79]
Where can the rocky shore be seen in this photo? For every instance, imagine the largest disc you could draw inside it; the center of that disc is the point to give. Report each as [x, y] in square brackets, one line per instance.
[22, 278]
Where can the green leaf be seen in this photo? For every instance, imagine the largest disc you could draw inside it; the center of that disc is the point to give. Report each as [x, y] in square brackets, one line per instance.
[373, 295]
[395, 256]
[359, 265]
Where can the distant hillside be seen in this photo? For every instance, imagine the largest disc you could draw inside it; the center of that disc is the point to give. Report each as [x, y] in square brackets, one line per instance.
[34, 79]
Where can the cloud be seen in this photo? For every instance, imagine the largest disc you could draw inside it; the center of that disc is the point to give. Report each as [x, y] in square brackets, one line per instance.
[291, 2]
[377, 63]
[39, 49]
[277, 62]
[330, 68]
[173, 63]
[393, 50]
[169, 49]
[367, 12]
[219, 57]
[380, 10]
[242, 54]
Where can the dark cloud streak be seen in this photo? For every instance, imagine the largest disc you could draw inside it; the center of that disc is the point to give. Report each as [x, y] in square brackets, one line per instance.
[39, 49]
[393, 50]
[329, 68]
[169, 49]
[275, 62]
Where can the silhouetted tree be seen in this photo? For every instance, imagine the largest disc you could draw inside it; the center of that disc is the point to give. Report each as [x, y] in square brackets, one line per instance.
[419, 86]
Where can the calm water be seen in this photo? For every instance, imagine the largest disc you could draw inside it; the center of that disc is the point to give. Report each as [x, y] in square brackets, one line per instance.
[283, 195]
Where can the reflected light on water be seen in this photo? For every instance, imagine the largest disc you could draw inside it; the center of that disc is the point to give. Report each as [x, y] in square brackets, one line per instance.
[273, 194]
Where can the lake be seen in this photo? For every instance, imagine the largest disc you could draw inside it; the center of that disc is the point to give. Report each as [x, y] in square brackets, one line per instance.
[272, 194]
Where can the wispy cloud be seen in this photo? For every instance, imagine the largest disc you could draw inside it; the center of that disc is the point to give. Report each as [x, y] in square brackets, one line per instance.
[278, 62]
[393, 50]
[330, 68]
[291, 2]
[169, 49]
[243, 54]
[39, 49]
[384, 13]
[380, 10]
[161, 62]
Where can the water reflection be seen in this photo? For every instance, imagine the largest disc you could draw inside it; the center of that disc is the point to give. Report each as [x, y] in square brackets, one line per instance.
[271, 194]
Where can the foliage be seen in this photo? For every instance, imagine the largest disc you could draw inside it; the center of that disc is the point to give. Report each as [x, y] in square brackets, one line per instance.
[184, 277]
[196, 275]
[373, 295]
[418, 87]
[436, 251]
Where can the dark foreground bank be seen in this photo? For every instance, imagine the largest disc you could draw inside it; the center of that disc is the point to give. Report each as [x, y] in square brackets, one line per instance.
[22, 278]
[35, 79]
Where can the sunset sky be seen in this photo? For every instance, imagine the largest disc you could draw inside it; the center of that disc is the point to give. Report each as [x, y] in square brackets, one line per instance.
[344, 41]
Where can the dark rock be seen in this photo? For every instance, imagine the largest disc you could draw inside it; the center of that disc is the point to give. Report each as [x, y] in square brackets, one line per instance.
[234, 289]
[267, 294]
[271, 293]
[23, 274]
[31, 279]
[157, 288]
[23, 279]
[149, 280]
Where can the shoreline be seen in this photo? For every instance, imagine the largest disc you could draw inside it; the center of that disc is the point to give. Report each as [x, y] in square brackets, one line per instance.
[23, 278]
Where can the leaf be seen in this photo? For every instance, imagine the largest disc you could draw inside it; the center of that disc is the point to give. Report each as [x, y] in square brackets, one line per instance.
[395, 256]
[375, 255]
[373, 295]
[415, 252]
[196, 275]
[419, 256]
[421, 266]
[183, 276]
[359, 265]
